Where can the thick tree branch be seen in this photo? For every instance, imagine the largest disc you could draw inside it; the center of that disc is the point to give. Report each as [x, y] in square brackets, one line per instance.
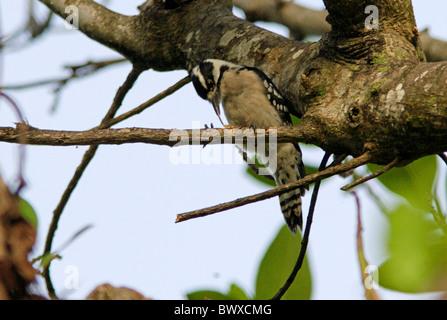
[355, 87]
[166, 137]
[304, 22]
[434, 49]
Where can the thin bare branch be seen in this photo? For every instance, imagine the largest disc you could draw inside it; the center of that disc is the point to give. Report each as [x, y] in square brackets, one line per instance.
[370, 293]
[331, 171]
[374, 175]
[76, 71]
[88, 156]
[22, 141]
[32, 27]
[148, 103]
[306, 235]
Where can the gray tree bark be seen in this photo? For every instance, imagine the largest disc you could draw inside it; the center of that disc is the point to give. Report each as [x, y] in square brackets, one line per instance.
[356, 89]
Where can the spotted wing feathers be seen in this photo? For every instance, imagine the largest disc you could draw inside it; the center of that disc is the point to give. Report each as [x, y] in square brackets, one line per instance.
[277, 100]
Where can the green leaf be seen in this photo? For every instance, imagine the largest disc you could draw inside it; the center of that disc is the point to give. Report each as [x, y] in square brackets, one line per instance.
[413, 182]
[295, 120]
[234, 293]
[27, 212]
[277, 265]
[418, 255]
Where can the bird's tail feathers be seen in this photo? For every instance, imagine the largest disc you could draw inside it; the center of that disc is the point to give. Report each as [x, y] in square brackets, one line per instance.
[291, 208]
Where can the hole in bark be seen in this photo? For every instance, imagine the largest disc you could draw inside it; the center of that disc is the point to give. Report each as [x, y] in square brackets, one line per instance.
[355, 114]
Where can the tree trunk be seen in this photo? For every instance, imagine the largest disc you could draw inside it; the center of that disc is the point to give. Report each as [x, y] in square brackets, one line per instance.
[356, 89]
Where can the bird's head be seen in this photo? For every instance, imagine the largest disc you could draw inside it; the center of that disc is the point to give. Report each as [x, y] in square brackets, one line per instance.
[206, 77]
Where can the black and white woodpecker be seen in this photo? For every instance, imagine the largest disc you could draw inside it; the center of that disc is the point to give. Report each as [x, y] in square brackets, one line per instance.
[250, 99]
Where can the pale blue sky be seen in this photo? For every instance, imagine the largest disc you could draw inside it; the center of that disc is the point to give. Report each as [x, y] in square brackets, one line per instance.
[132, 193]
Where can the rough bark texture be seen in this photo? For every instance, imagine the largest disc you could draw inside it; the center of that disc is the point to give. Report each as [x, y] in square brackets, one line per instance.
[165, 137]
[357, 88]
[300, 20]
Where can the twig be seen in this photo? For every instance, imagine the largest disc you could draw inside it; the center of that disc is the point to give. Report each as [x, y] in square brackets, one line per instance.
[370, 293]
[374, 175]
[88, 156]
[32, 26]
[76, 72]
[148, 103]
[337, 169]
[305, 239]
[22, 140]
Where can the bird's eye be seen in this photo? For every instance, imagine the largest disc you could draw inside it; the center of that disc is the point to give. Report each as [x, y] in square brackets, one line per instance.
[209, 83]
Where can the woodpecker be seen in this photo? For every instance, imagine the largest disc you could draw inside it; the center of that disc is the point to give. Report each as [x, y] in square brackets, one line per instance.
[250, 99]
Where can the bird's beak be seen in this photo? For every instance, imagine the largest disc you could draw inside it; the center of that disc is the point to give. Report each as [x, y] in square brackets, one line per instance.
[215, 101]
[216, 108]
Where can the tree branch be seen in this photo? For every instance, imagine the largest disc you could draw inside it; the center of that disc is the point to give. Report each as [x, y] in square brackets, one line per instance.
[166, 137]
[148, 103]
[21, 141]
[354, 87]
[32, 26]
[88, 156]
[76, 71]
[306, 235]
[374, 175]
[304, 22]
[172, 138]
[329, 172]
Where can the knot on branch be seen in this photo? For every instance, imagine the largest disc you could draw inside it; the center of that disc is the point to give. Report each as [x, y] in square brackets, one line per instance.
[355, 115]
[352, 50]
